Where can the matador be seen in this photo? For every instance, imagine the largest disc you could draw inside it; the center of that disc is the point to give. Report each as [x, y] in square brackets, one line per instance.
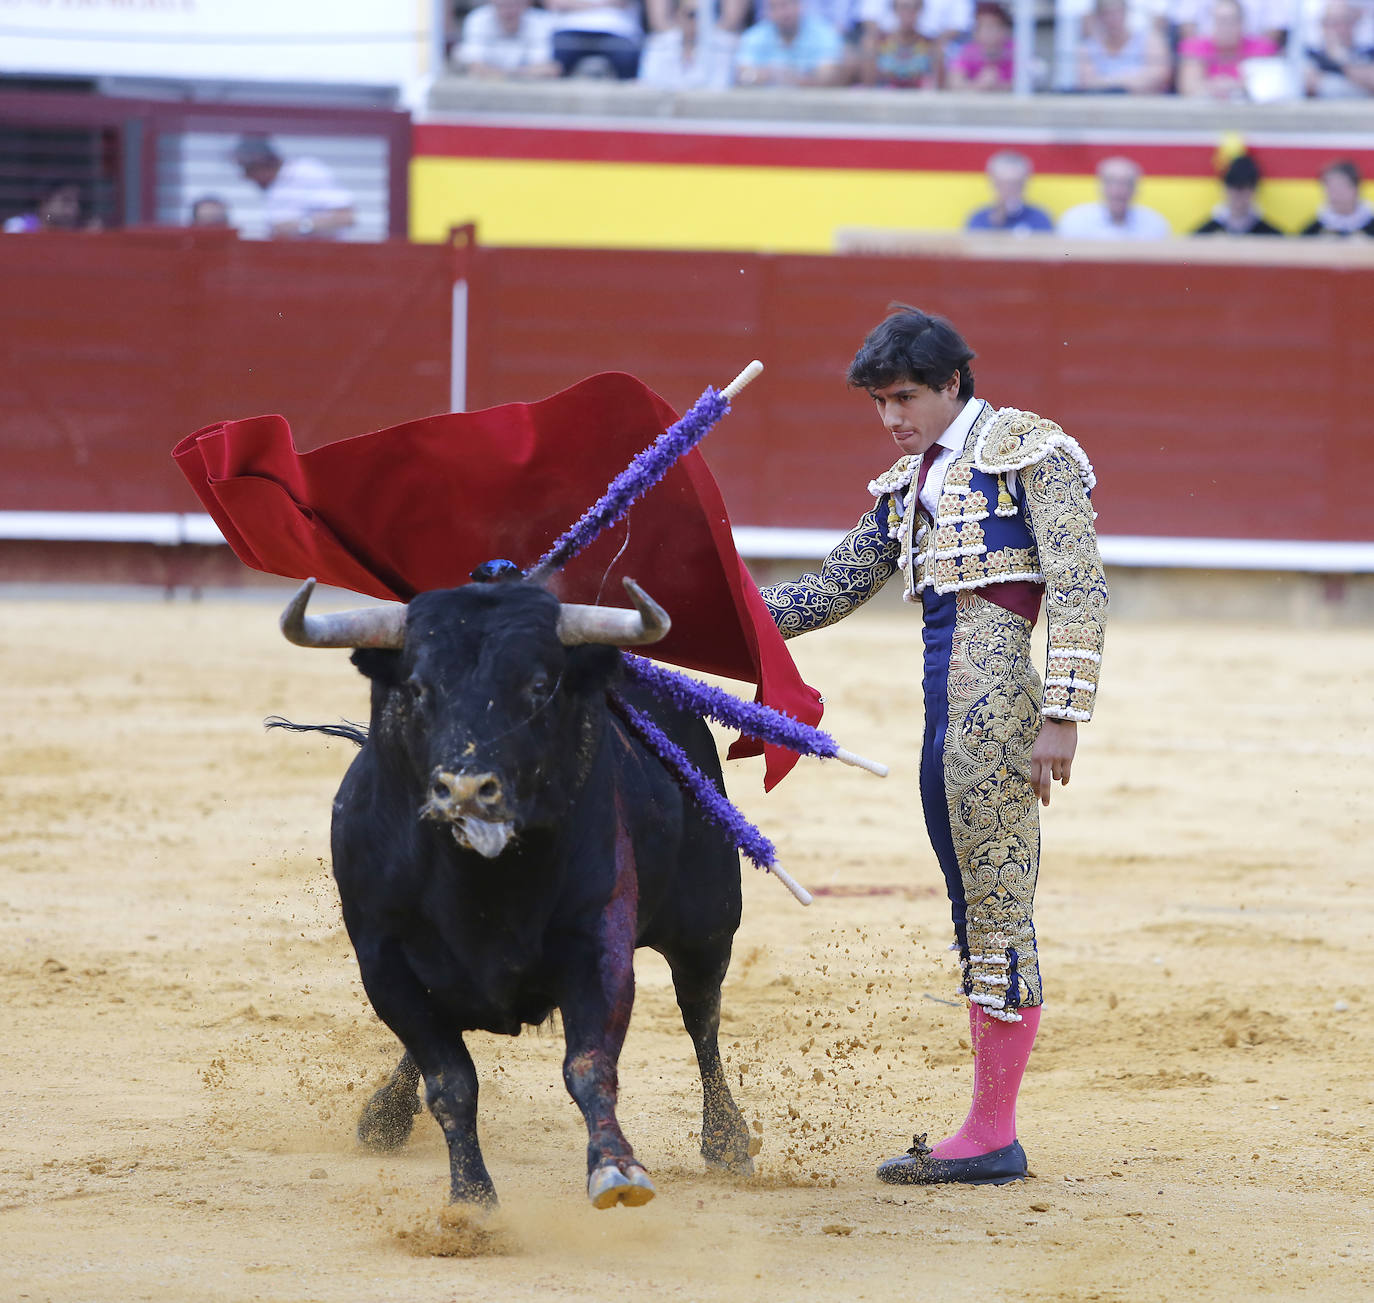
[987, 514]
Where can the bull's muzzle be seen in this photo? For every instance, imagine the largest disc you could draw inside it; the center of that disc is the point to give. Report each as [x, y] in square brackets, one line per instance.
[475, 807]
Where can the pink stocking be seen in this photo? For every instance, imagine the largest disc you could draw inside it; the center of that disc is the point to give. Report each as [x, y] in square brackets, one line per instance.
[1000, 1050]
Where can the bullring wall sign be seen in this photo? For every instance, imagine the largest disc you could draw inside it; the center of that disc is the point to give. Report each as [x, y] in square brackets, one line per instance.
[362, 42]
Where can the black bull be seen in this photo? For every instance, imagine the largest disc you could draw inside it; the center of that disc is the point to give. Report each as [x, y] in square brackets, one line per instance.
[502, 843]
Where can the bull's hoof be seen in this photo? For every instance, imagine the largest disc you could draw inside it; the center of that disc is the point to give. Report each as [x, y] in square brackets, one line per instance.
[738, 1165]
[728, 1147]
[387, 1119]
[608, 1186]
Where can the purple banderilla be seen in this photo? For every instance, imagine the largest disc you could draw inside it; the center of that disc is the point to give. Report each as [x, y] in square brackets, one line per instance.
[750, 717]
[635, 481]
[715, 805]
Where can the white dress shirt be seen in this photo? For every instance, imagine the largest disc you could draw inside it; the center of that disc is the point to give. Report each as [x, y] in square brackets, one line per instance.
[951, 444]
[304, 187]
[1093, 222]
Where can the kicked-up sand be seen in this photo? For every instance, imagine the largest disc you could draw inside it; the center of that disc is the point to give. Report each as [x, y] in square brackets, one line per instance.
[186, 1043]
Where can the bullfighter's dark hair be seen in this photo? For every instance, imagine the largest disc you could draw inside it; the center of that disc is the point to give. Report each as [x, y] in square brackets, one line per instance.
[912, 345]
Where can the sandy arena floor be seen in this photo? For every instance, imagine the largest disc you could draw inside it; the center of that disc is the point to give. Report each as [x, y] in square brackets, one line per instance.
[186, 1043]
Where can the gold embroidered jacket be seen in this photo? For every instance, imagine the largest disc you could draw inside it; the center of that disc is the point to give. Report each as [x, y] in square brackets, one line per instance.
[1047, 538]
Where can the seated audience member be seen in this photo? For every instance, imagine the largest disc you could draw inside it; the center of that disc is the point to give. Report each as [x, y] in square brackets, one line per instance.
[1344, 213]
[787, 49]
[1115, 57]
[897, 54]
[945, 21]
[1268, 18]
[59, 209]
[731, 15]
[211, 211]
[506, 39]
[1209, 66]
[1237, 214]
[984, 63]
[680, 58]
[1115, 216]
[301, 199]
[1336, 66]
[596, 38]
[1008, 173]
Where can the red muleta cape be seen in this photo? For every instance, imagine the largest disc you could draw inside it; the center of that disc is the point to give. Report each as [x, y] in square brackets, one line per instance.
[418, 506]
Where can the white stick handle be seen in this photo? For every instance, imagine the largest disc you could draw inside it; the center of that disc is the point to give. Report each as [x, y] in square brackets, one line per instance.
[803, 896]
[859, 762]
[751, 372]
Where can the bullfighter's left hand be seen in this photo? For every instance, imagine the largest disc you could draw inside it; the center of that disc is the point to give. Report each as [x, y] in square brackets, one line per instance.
[1052, 755]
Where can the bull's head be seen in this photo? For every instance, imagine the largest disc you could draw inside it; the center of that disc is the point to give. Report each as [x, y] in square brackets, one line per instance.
[486, 694]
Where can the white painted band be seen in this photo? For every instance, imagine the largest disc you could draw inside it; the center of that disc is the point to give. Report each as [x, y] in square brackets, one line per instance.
[754, 541]
[1334, 558]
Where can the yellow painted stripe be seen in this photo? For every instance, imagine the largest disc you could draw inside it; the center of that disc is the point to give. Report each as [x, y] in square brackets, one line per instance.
[783, 210]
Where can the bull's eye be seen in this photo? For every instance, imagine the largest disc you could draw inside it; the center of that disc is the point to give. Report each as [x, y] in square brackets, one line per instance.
[537, 690]
[416, 689]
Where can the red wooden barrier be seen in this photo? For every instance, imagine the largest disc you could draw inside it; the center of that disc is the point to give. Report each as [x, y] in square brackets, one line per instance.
[114, 346]
[1215, 400]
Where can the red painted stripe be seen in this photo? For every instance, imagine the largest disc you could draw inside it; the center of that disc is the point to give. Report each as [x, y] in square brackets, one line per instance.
[598, 145]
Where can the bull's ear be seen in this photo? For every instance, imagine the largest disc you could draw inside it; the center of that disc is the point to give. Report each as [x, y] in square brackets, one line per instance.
[380, 666]
[591, 668]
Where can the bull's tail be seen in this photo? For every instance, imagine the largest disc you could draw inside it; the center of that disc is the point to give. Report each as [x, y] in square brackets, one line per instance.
[354, 733]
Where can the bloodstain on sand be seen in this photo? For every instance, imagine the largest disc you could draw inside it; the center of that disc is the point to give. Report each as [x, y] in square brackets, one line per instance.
[187, 1045]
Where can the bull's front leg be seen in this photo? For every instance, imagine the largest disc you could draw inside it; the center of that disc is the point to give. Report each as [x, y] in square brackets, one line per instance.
[598, 994]
[402, 1002]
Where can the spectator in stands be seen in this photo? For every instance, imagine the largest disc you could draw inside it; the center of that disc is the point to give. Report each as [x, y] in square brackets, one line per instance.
[1237, 214]
[1337, 67]
[506, 40]
[597, 38]
[984, 63]
[210, 210]
[895, 53]
[789, 49]
[1115, 216]
[681, 58]
[1344, 213]
[58, 209]
[1008, 173]
[301, 199]
[731, 15]
[1267, 18]
[946, 22]
[1209, 67]
[1113, 56]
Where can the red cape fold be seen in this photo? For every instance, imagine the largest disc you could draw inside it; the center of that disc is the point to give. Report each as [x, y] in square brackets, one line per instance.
[418, 506]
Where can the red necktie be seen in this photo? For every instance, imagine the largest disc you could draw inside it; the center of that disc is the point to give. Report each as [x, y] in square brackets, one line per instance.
[927, 461]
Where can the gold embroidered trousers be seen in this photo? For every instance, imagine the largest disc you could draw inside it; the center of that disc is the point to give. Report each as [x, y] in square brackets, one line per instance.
[982, 704]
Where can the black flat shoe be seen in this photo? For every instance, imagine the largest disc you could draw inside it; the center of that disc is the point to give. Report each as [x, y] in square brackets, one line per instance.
[918, 1167]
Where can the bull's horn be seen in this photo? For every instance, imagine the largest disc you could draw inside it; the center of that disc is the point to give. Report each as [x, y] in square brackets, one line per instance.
[647, 623]
[368, 626]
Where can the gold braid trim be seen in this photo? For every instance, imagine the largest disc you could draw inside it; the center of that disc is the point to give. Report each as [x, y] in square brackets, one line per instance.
[1013, 440]
[857, 566]
[1076, 597]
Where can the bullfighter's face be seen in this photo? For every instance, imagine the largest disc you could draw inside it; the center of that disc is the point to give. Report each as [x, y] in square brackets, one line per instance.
[915, 414]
